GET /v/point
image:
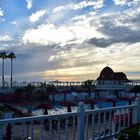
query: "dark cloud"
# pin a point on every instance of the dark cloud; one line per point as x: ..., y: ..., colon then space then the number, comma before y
x: 117, y: 33
x: 101, y: 42
x: 136, y: 19
x: 31, y: 59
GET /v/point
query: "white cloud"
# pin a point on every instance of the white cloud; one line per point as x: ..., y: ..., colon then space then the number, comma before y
x: 5, y: 38
x: 76, y: 32
x: 35, y: 16
x: 96, y: 4
x: 125, y: 2
x: 29, y: 4
x: 83, y: 28
x: 13, y: 22
x: 1, y: 12
x: 47, y: 34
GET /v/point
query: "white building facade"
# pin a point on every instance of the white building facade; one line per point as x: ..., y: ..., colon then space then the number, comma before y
x: 112, y: 84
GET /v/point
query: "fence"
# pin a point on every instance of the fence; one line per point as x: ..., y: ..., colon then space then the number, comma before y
x: 81, y: 125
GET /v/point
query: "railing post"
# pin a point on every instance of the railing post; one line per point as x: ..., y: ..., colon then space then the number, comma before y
x: 137, y: 102
x: 1, y: 136
x: 81, y: 121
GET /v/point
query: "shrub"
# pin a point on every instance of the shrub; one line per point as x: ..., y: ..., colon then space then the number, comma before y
x: 131, y: 133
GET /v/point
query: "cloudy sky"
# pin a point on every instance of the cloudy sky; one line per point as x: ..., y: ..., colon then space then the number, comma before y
x: 70, y: 40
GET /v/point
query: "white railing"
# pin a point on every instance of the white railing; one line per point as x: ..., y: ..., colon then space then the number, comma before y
x: 64, y: 84
x: 81, y: 125
x: 112, y: 86
x: 19, y: 84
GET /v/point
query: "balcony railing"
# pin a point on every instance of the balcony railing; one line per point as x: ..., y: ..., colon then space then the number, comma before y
x: 81, y: 125
x: 113, y: 87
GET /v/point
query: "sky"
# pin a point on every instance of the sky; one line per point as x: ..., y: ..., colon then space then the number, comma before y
x: 70, y: 40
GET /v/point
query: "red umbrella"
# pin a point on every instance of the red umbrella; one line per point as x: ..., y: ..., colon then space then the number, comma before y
x: 55, y: 92
x: 23, y: 103
x: 90, y: 101
x: 8, y: 97
x: 44, y: 106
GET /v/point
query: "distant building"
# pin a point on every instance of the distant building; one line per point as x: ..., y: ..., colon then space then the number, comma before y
x: 112, y: 84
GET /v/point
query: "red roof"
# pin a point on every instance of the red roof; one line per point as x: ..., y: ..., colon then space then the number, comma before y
x: 108, y: 74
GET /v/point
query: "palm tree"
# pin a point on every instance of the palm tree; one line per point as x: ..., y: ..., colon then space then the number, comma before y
x: 11, y: 56
x: 3, y: 55
x: 88, y: 85
x: 43, y: 86
x: 42, y: 91
x: 51, y: 88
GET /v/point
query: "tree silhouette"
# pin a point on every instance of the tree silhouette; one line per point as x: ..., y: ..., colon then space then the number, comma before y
x: 45, y: 89
x: 11, y: 56
x: 3, y: 55
x: 51, y: 88
x: 88, y: 86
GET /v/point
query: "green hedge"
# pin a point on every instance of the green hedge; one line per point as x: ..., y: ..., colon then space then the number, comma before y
x: 130, y: 133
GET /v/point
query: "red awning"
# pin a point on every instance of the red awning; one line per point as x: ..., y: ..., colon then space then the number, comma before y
x: 66, y: 104
x: 44, y: 106
x: 111, y: 100
x: 66, y: 91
